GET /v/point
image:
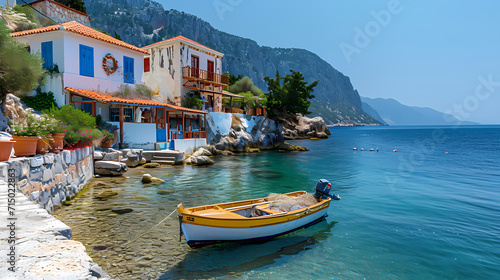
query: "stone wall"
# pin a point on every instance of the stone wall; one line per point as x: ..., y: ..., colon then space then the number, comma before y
x: 49, y: 179
x: 60, y: 14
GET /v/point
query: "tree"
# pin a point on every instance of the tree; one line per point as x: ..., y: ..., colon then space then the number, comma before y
x: 19, y: 70
x: 74, y: 4
x: 291, y: 97
x: 245, y: 84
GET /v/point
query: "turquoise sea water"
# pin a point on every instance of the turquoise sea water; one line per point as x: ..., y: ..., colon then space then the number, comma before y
x: 431, y: 210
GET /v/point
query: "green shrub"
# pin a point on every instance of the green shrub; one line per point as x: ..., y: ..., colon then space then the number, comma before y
x: 41, y: 100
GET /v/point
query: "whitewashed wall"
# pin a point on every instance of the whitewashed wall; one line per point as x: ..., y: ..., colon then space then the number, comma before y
x: 165, y: 75
x: 138, y: 133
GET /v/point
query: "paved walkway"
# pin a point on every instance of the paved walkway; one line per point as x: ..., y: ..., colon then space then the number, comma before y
x: 43, y: 245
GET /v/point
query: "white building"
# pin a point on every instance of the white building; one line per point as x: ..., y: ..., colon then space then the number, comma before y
x: 179, y: 67
x: 78, y: 51
x: 93, y: 68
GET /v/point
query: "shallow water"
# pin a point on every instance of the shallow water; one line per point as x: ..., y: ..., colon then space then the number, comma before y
x: 428, y: 211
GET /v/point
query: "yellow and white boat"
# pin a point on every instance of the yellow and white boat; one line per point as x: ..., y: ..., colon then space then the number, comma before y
x: 255, y: 219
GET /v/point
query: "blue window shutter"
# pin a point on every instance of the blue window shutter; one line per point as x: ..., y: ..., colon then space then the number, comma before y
x: 86, y: 61
x: 47, y: 55
x: 128, y: 70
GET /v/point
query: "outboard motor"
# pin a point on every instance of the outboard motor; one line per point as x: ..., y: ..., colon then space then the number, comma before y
x: 322, y: 190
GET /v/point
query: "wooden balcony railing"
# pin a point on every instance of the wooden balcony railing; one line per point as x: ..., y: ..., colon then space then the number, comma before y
x: 190, y: 72
x: 175, y: 134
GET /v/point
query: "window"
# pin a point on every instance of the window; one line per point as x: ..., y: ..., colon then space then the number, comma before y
x: 146, y: 64
x: 87, y: 107
x: 173, y: 123
x: 86, y: 61
x: 47, y: 55
x: 128, y: 70
x: 114, y: 114
x: 128, y: 114
x: 210, y: 70
x: 28, y: 48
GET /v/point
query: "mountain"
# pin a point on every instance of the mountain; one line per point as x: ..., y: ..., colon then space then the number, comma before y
x: 394, y: 113
x: 372, y: 112
x: 143, y: 22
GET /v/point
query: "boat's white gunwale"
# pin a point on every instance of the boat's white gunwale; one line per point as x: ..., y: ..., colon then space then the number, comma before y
x: 309, y: 211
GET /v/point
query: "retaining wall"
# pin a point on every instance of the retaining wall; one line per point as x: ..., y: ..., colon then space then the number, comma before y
x: 49, y: 179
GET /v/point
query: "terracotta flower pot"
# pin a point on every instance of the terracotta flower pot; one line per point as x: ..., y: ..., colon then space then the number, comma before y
x: 107, y: 143
x: 25, y: 145
x: 5, y: 149
x: 57, y: 145
x: 43, y: 145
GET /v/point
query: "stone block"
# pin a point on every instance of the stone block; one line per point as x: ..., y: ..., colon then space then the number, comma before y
x: 98, y: 155
x: 74, y: 157
x: 36, y: 174
x: 4, y: 167
x: 34, y: 195
x: 48, y: 174
x: 56, y: 199
x: 66, y: 156
x: 36, y: 161
x: 110, y: 168
x: 44, y: 197
x: 111, y: 156
x: 48, y: 159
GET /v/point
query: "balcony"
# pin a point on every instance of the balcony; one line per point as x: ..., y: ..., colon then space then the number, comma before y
x: 175, y: 134
x: 196, y: 74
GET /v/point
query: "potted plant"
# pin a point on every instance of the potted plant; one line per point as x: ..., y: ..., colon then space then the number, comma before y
x: 25, y: 134
x: 108, y: 140
x: 6, y: 144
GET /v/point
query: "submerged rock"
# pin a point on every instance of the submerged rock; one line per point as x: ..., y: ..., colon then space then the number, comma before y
x: 121, y: 211
x: 287, y: 147
x: 148, y: 179
x: 199, y: 160
x: 151, y: 165
x: 106, y: 194
x: 165, y: 191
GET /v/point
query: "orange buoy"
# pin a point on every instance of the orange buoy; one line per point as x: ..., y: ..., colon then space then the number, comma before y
x: 377, y: 149
x: 371, y: 150
x: 395, y: 150
x: 362, y: 149
x: 446, y: 152
x: 354, y: 149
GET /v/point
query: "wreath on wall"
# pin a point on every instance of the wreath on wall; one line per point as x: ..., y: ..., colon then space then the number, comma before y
x: 109, y: 64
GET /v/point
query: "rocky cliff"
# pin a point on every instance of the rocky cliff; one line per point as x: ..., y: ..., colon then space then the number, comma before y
x: 142, y: 22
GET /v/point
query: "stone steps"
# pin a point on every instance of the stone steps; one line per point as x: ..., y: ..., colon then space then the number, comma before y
x: 163, y: 159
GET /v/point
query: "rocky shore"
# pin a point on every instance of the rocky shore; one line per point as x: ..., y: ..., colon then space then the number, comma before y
x: 301, y: 127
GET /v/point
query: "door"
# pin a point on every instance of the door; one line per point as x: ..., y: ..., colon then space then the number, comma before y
x: 195, y: 66
x: 161, y: 132
x: 210, y: 70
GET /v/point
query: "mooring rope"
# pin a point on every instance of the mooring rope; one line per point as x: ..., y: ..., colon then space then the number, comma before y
x: 125, y: 244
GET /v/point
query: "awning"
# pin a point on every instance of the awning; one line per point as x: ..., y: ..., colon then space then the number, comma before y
x: 105, y: 98
x: 227, y: 93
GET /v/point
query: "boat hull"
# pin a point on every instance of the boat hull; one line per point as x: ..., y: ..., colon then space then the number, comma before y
x: 201, y: 235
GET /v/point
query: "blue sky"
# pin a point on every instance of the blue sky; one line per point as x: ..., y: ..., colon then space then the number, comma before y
x: 421, y: 53
x: 439, y: 54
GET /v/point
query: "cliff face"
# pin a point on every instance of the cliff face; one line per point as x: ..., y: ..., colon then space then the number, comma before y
x: 143, y: 22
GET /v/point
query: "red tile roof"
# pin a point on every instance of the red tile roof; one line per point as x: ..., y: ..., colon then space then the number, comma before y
x: 180, y: 38
x: 80, y: 29
x: 59, y: 4
x: 106, y: 98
